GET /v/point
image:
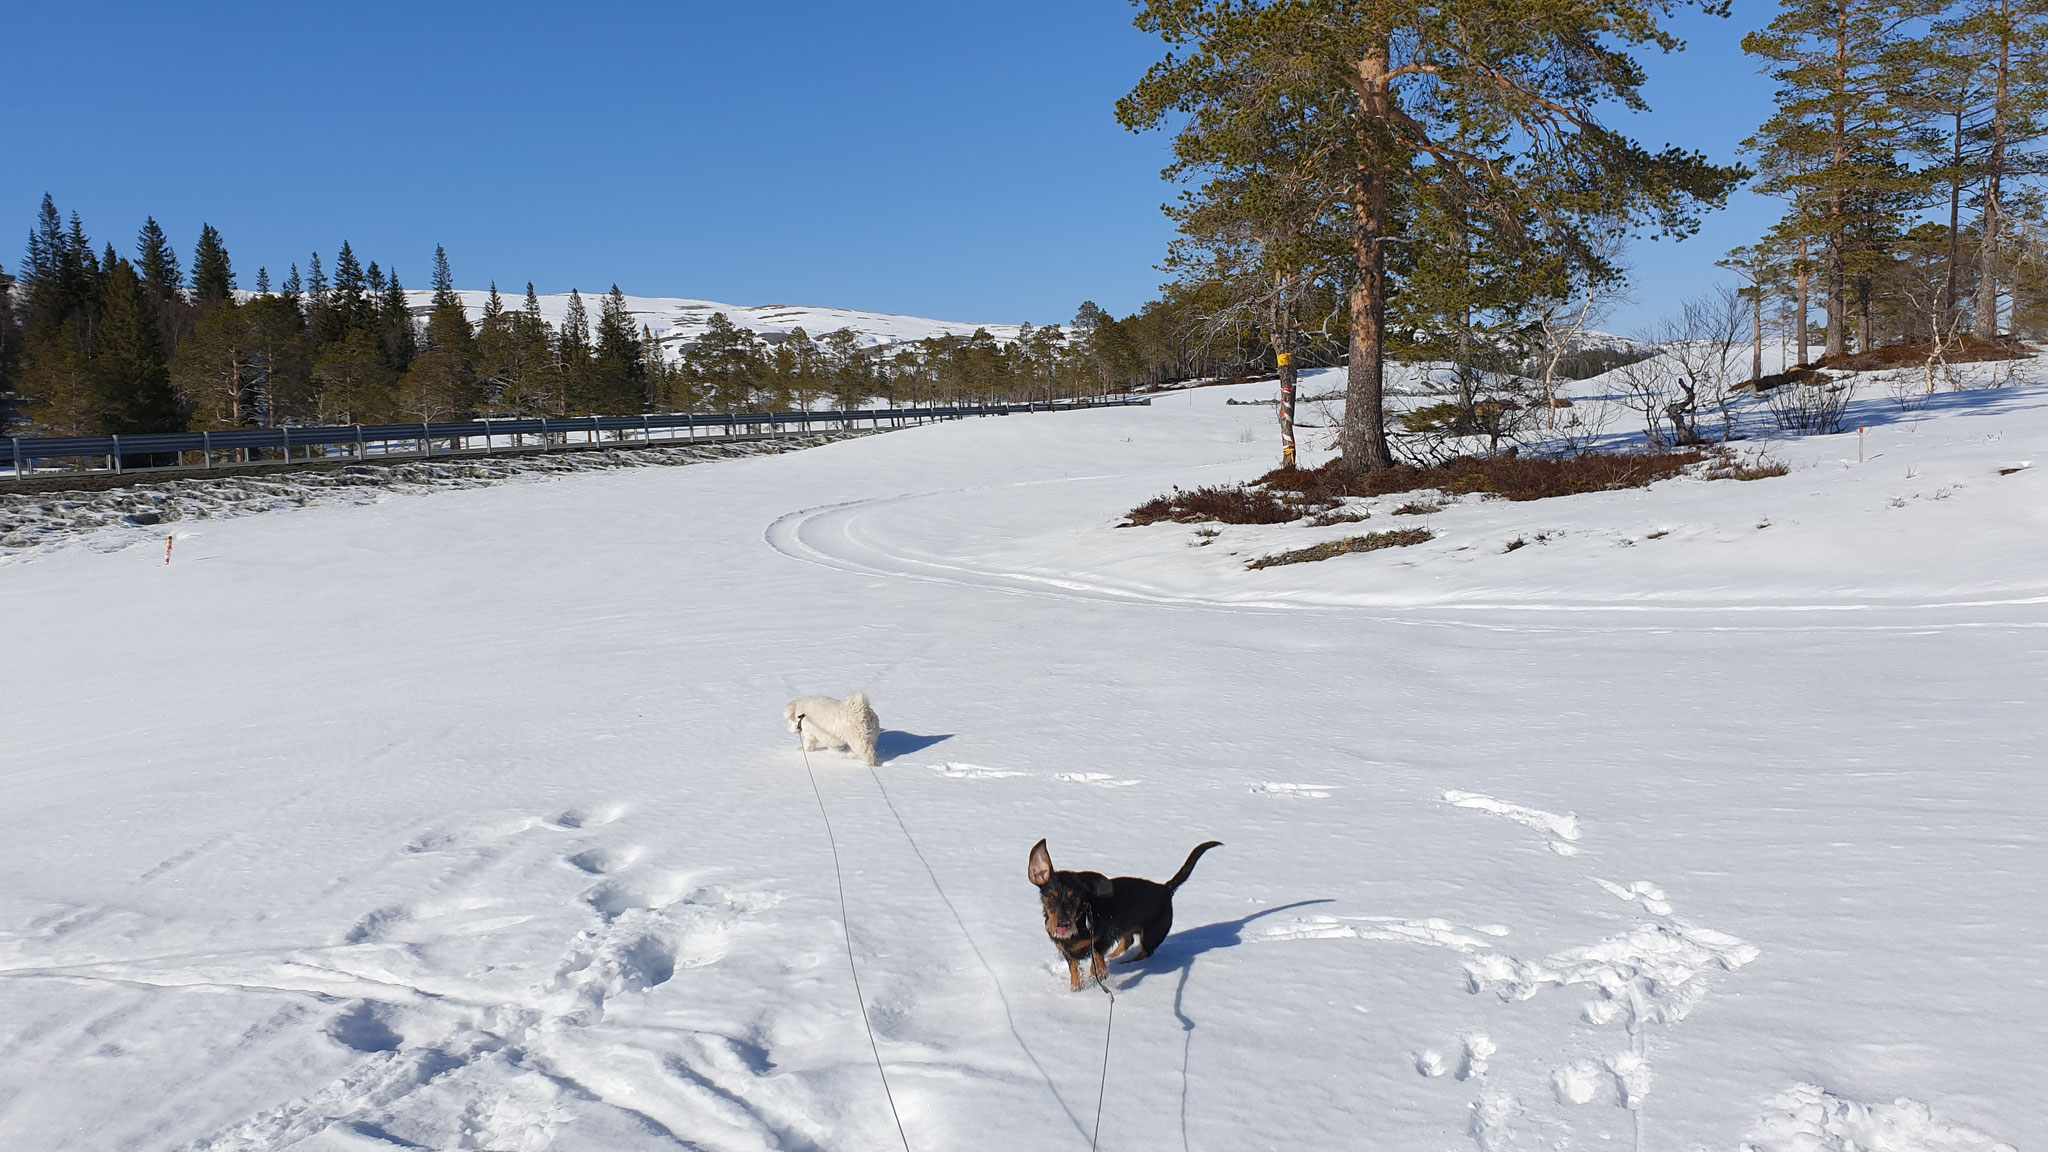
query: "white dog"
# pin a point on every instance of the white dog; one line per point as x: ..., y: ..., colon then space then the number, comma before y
x: 825, y: 722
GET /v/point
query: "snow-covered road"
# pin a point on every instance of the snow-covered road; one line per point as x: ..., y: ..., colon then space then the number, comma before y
x: 469, y: 820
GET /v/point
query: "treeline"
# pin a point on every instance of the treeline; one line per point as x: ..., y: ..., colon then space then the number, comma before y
x: 1906, y: 147
x: 94, y: 342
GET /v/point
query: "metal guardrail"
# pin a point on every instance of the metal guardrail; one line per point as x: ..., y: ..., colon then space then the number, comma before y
x: 358, y: 440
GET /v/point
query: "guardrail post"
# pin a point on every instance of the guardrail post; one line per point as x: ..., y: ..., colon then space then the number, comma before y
x: 360, y: 453
x: 646, y: 430
x: 426, y: 440
x: 18, y: 474
x: 115, y: 459
x: 596, y: 431
x: 287, y: 430
x: 487, y: 438
x: 206, y: 449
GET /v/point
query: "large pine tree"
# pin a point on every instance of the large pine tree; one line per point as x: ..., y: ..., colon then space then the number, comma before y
x: 1493, y: 109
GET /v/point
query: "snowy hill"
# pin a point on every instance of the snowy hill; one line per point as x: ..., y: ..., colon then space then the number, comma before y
x: 1711, y: 816
x: 676, y: 321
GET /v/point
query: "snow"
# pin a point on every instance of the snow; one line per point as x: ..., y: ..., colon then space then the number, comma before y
x: 466, y: 817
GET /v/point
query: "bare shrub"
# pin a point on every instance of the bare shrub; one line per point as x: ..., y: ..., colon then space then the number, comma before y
x: 1812, y: 409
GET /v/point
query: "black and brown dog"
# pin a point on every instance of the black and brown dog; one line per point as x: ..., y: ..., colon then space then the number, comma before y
x: 1093, y: 917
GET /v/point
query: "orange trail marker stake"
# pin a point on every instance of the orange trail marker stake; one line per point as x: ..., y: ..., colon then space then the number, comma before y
x: 168, y: 541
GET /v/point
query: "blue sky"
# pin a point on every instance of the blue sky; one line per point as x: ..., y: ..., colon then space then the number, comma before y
x: 954, y: 160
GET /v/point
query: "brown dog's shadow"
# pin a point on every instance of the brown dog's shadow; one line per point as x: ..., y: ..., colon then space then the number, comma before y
x: 890, y: 745
x: 1177, y: 953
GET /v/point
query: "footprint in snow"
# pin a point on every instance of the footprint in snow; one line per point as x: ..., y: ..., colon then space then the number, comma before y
x: 595, y: 817
x: 954, y: 771
x: 1099, y: 779
x: 1479, y: 1049
x: 1565, y: 827
x: 1643, y: 892
x: 1310, y: 791
x: 602, y: 861
x: 1432, y: 931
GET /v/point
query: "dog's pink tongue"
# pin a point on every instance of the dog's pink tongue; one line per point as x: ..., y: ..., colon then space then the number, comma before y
x: 1062, y: 932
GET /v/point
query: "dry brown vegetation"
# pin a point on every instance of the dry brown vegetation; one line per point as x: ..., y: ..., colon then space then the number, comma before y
x: 1285, y: 495
x: 1728, y: 466
x: 1238, y: 505
x: 1963, y: 350
x: 1371, y: 542
x: 1509, y: 477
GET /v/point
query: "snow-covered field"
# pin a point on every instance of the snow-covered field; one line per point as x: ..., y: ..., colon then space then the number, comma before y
x: 1710, y: 818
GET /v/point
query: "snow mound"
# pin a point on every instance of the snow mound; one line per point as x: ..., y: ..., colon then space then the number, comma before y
x: 1806, y: 1118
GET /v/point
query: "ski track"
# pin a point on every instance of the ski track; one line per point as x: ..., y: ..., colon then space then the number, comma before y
x: 828, y: 536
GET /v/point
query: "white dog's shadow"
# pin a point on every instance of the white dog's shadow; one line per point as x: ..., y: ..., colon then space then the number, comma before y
x: 889, y: 745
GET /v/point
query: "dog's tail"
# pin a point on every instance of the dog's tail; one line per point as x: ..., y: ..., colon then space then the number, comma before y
x: 1188, y: 869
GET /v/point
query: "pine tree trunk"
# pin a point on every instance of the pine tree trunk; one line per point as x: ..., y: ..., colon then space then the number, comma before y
x: 1986, y: 325
x: 1837, y: 289
x: 1955, y: 209
x: 1756, y: 334
x: 1364, y: 441
x: 1805, y: 305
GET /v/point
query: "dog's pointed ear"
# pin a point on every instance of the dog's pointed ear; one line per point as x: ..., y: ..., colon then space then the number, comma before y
x: 1104, y: 889
x: 1041, y: 864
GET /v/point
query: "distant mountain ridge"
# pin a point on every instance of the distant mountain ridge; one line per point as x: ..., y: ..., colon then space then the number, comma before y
x: 677, y: 321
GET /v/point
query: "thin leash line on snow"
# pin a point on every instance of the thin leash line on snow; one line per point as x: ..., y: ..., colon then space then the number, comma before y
x: 1102, y: 1090
x: 846, y: 934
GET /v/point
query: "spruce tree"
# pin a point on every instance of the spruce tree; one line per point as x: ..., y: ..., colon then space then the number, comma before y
x: 213, y: 277
x: 392, y: 319
x: 618, y: 361
x: 442, y: 382
x: 58, y: 302
x: 262, y: 281
x: 157, y: 260
x: 572, y: 358
x: 132, y: 381
x: 350, y: 301
x: 323, y: 323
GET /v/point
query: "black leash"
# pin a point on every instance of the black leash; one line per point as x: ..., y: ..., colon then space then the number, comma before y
x: 845, y: 933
